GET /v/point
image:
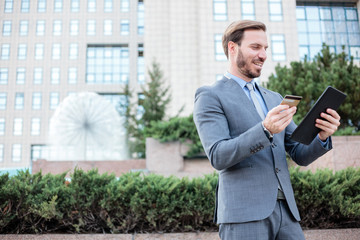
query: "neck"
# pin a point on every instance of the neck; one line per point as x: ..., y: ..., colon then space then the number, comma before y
x: 238, y: 74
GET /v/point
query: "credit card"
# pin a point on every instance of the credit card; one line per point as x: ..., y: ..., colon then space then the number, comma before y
x: 291, y: 100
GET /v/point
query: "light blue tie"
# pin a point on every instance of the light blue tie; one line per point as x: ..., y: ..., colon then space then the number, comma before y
x: 255, y: 100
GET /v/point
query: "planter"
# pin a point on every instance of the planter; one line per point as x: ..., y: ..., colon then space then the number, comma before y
x: 165, y: 157
x: 345, y: 153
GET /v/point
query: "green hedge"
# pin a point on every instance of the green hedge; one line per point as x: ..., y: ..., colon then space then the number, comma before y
x: 135, y: 202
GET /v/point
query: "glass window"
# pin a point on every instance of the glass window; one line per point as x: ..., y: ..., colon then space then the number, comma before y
x: 351, y: 14
x: 91, y: 6
x: 36, y: 101
x: 57, y: 27
x: 4, y: 76
x: 125, y: 29
x: 72, y: 75
x: 58, y: 5
x: 9, y: 4
x: 334, y: 25
x: 25, y: 6
x: 16, y: 152
x: 39, y: 51
x: 248, y: 9
x: 75, y: 5
x: 355, y: 52
x: 125, y: 5
x: 40, y: 28
x: 24, y: 28
x: 325, y: 13
x: 18, y: 126
x: 54, y: 100
x: 141, y: 64
x: 2, y: 126
x: 35, y: 127
x: 39, y: 152
x: 220, y: 10
x: 5, y: 51
x: 56, y: 51
x: 278, y: 47
x: 219, y: 52
x: 20, y: 76
x: 91, y: 27
x: 19, y: 101
x: 108, y: 5
x: 41, y: 7
x: 117, y: 100
x: 275, y: 10
x: 22, y: 51
x: 107, y: 27
x: 107, y: 64
x: 6, y: 28
x: 73, y: 51
x: 55, y: 75
x: 300, y: 12
x: 38, y: 75
x: 3, y: 100
x: 74, y: 27
x: 140, y: 17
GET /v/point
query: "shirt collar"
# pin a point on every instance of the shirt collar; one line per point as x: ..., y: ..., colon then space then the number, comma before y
x: 240, y: 81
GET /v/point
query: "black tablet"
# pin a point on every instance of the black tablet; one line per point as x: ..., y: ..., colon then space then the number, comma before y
x: 306, y: 131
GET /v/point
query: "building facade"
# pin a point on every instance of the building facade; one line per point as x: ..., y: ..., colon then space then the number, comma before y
x: 50, y: 49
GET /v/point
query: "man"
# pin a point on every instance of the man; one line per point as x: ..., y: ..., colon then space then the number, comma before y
x: 245, y: 134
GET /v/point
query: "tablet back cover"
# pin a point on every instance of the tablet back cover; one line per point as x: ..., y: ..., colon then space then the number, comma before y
x: 306, y: 131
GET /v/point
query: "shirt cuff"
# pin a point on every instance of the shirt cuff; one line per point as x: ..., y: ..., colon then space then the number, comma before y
x: 323, y: 143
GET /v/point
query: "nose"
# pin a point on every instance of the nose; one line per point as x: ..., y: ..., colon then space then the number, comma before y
x: 262, y: 54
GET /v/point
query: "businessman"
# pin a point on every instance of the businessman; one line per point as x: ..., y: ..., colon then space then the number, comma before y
x: 246, y: 134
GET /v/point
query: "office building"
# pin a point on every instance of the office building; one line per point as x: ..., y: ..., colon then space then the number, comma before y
x: 50, y: 49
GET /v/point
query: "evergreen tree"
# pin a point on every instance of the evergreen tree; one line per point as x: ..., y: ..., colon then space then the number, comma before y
x: 310, y: 78
x: 150, y: 108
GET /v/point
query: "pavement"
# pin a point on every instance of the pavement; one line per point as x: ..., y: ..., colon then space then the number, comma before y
x: 321, y: 234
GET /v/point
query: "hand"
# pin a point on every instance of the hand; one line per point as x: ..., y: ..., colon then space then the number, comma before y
x: 329, y: 125
x: 279, y: 118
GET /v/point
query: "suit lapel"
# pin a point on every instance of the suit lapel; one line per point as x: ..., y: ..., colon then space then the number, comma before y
x: 239, y: 96
x: 268, y: 98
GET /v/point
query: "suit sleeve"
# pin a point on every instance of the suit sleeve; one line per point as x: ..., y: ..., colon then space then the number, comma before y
x: 221, y: 148
x: 302, y: 154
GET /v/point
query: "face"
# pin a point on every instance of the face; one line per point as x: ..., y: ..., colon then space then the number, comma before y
x: 249, y: 57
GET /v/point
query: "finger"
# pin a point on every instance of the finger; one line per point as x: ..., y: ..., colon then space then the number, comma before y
x: 279, y: 108
x: 325, y: 125
x: 333, y: 113
x: 330, y: 119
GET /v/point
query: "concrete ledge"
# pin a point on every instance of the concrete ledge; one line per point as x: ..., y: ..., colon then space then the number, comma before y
x: 321, y: 234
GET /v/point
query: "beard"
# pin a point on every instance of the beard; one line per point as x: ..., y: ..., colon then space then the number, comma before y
x: 244, y: 67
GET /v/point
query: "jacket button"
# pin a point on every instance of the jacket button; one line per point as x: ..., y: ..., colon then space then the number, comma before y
x: 277, y: 170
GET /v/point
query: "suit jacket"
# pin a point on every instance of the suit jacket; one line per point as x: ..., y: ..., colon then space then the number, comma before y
x: 250, y: 167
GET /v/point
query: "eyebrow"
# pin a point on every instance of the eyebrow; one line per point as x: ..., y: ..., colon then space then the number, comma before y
x: 258, y: 44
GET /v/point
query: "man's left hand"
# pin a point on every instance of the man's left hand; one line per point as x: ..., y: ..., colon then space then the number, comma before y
x: 329, y: 125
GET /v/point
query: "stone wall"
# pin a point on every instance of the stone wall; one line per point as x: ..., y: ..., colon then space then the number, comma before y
x: 116, y: 167
x: 168, y: 159
x: 345, y: 153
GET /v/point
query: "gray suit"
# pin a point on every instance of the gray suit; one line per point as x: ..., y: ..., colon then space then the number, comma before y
x: 250, y: 167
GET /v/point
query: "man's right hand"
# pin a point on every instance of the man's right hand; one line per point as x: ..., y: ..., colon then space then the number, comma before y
x: 279, y: 118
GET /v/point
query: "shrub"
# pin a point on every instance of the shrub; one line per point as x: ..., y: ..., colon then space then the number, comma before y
x: 177, y: 128
x: 310, y: 78
x: 134, y: 202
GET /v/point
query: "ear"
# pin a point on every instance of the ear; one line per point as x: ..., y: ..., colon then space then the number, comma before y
x: 232, y: 48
